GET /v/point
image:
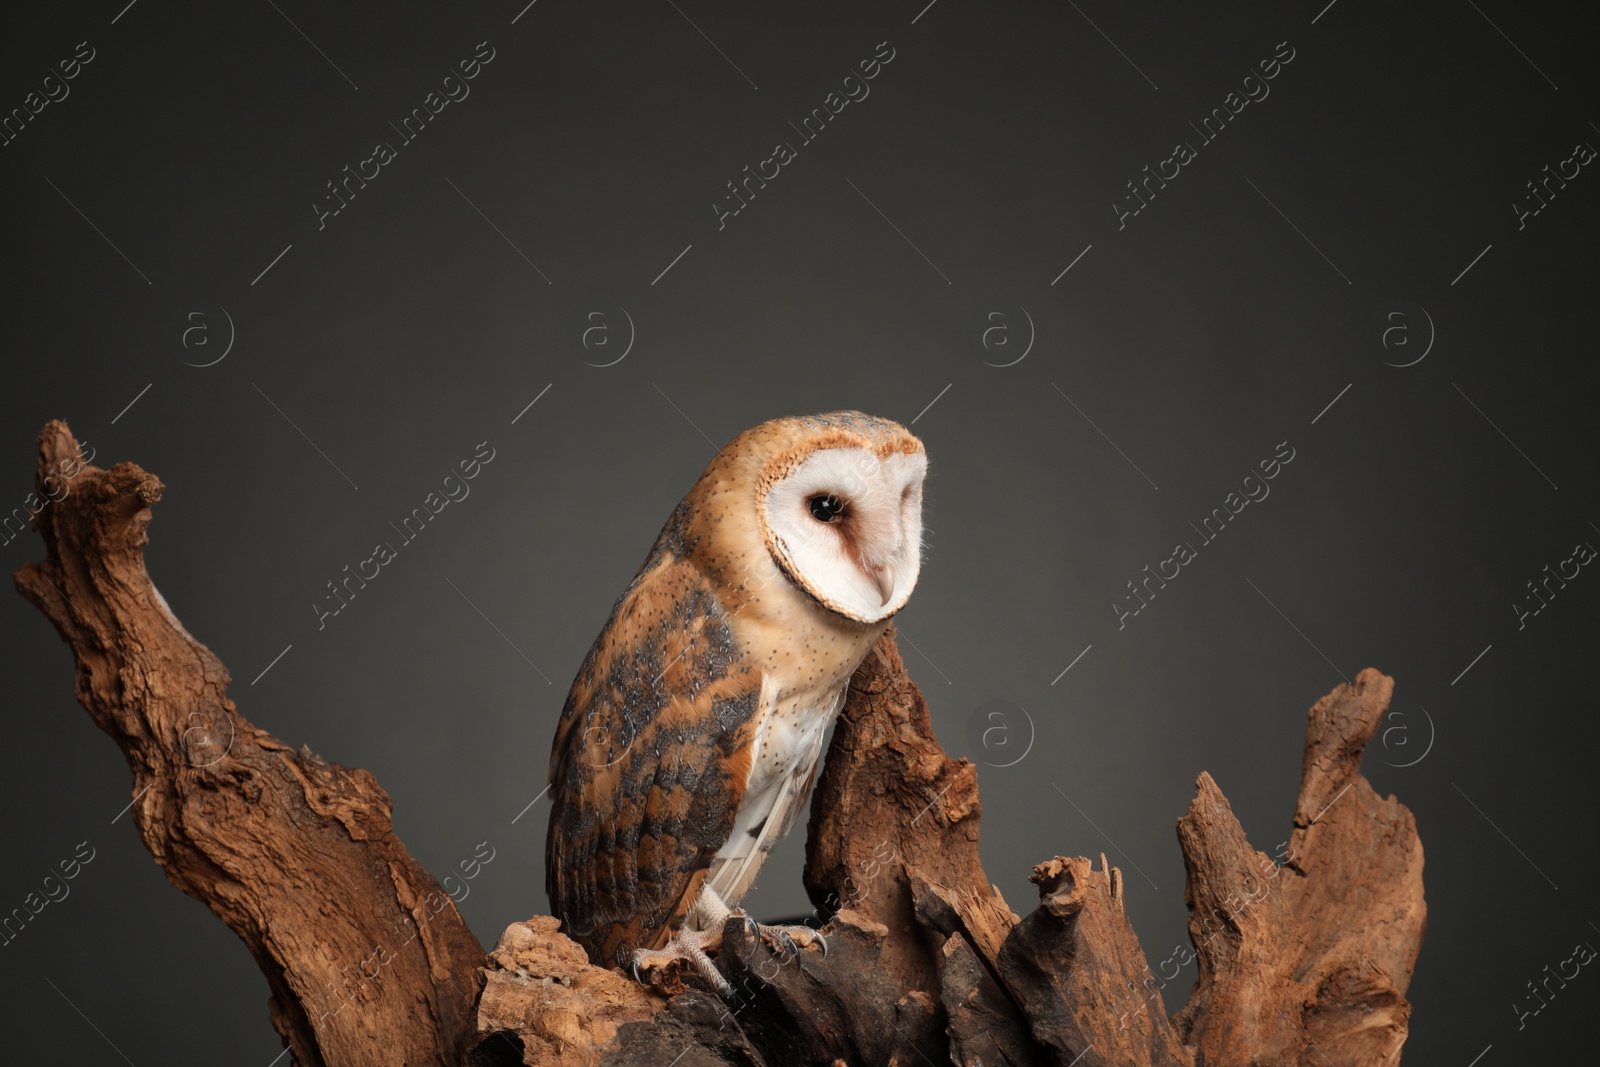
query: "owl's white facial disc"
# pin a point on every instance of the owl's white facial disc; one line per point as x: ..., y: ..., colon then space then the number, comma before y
x: 847, y: 526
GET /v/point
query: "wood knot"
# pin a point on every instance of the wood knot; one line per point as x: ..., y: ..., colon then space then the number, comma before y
x: 1062, y: 885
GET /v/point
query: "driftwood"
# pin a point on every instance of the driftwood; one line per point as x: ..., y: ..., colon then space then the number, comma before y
x: 1302, y: 959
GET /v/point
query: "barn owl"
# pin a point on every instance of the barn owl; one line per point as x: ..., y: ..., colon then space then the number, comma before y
x: 691, y: 736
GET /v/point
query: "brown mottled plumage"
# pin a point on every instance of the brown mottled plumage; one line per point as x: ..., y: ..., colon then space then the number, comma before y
x: 703, y: 702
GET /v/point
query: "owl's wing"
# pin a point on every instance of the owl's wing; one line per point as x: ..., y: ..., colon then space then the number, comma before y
x: 650, y: 763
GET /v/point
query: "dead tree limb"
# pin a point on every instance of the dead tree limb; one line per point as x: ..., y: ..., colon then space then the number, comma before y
x: 1301, y: 959
x: 1315, y: 956
x: 367, y: 958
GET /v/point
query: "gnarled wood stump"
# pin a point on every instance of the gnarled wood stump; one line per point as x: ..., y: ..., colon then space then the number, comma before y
x: 1300, y: 962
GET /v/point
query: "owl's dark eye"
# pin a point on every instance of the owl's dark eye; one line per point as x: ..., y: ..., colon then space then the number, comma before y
x: 825, y: 508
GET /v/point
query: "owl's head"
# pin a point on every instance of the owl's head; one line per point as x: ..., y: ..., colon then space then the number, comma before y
x: 839, y: 502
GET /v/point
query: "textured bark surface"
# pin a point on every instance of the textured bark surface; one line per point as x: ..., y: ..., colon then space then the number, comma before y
x: 1079, y: 973
x: 1302, y: 960
x: 1308, y: 962
x: 892, y: 811
x: 367, y: 958
x: 543, y: 1003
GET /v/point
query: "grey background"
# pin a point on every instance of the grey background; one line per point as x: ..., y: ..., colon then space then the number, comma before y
x: 1198, y: 337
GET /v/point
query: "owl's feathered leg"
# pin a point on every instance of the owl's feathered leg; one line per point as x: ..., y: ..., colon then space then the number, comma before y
x: 714, y: 912
x: 687, y: 945
x: 693, y: 942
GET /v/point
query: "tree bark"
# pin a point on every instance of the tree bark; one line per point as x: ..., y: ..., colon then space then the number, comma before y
x: 1310, y: 960
x: 367, y: 957
x: 1301, y: 960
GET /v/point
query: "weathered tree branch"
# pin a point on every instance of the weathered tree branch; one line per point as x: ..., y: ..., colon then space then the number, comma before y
x: 1317, y: 954
x: 1303, y: 962
x: 362, y: 949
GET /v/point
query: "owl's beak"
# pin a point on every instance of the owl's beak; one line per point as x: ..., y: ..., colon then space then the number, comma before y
x: 884, y: 577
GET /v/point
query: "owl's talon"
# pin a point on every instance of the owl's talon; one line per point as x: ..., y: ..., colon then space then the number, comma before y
x: 789, y: 940
x: 689, y: 946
